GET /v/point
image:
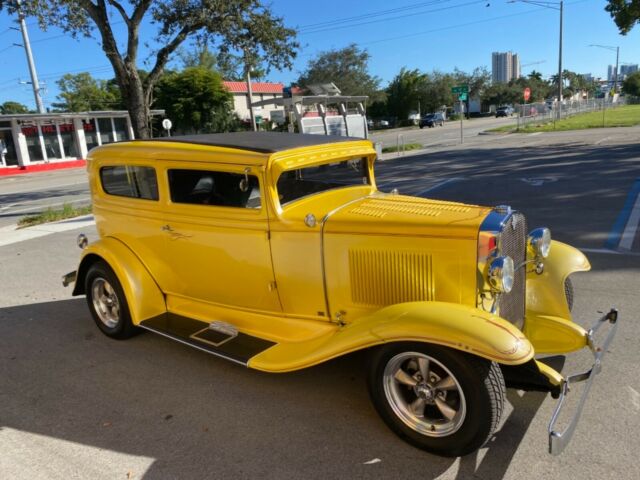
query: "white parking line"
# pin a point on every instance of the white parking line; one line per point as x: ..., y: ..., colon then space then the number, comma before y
x: 438, y: 185
x: 630, y: 229
x: 601, y: 140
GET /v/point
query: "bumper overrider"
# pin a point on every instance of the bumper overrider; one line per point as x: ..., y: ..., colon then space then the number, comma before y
x: 558, y: 440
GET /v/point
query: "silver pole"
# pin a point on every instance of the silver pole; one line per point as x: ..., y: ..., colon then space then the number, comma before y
x: 461, y: 113
x: 615, y: 75
x: 560, y: 65
x: 32, y: 66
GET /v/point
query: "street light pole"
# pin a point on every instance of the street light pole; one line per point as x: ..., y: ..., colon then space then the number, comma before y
x: 554, y: 6
x: 615, y: 74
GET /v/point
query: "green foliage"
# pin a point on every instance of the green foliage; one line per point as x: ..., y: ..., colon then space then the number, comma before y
x: 626, y: 13
x: 82, y: 93
x: 404, y: 92
x: 245, y: 27
x: 8, y: 108
x: 53, y: 215
x: 631, y: 84
x: 348, y: 68
x: 196, y: 101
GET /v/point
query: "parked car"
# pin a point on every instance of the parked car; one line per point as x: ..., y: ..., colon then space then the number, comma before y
x: 432, y: 119
x: 277, y: 251
x: 506, y: 111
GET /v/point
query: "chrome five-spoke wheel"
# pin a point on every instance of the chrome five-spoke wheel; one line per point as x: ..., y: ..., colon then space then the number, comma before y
x: 424, y: 394
x: 105, y: 302
x: 439, y: 399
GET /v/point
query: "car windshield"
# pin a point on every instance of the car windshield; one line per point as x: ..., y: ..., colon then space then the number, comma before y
x: 295, y: 184
x: 429, y: 117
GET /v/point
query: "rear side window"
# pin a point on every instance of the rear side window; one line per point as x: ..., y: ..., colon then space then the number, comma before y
x: 207, y: 187
x: 129, y: 181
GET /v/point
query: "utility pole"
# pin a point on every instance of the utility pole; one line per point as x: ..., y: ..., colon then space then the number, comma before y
x: 560, y: 64
x: 32, y: 66
x: 615, y: 75
x: 247, y: 61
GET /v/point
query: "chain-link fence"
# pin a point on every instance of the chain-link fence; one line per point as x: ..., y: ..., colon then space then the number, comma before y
x: 539, y: 113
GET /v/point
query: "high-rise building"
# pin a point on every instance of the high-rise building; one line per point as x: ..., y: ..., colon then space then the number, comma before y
x: 628, y: 70
x: 611, y: 73
x: 505, y: 66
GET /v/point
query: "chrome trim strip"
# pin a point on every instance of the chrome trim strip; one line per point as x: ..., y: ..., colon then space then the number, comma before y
x: 559, y: 440
x: 323, y: 222
x: 194, y: 346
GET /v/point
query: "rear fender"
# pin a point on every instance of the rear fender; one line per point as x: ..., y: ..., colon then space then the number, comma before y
x: 456, y: 326
x: 144, y: 297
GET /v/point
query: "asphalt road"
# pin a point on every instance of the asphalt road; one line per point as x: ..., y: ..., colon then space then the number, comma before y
x: 75, y: 404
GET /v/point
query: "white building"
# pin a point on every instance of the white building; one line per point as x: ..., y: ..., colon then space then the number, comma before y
x: 505, y: 66
x: 261, y: 91
x: 33, y: 138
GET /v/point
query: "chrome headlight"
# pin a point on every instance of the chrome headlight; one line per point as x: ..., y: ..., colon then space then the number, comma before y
x: 539, y: 242
x: 501, y: 273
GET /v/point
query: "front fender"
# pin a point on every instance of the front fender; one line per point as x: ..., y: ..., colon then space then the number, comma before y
x: 144, y: 297
x: 545, y: 292
x: 456, y: 326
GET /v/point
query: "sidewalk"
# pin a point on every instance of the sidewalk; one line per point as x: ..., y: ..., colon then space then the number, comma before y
x: 10, y: 234
x: 41, y: 167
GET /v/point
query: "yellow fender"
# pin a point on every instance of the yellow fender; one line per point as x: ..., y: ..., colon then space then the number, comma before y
x: 144, y: 297
x: 456, y: 326
x: 548, y: 323
x: 545, y: 292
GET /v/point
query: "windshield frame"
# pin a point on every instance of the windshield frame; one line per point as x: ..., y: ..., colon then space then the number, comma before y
x: 369, y: 175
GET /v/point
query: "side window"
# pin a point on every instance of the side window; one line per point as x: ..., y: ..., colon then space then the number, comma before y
x: 129, y: 181
x: 205, y: 187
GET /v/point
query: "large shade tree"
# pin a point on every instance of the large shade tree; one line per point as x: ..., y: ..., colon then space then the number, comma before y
x: 347, y: 67
x: 245, y: 26
x: 626, y: 13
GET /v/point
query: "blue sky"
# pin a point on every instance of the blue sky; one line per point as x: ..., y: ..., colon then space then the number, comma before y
x: 427, y: 35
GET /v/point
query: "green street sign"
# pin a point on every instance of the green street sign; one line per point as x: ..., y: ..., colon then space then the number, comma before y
x: 460, y: 89
x: 462, y: 97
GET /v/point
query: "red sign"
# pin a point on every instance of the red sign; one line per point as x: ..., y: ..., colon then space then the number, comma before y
x: 527, y: 94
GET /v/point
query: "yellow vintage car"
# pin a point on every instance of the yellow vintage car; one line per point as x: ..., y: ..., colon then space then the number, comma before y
x: 278, y: 252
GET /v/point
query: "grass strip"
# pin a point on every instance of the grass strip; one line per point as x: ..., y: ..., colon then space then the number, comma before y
x: 406, y: 147
x: 52, y: 215
x: 625, y: 116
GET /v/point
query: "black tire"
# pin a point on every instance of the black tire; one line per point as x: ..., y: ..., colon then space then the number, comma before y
x: 479, y: 408
x: 568, y: 292
x: 115, y: 320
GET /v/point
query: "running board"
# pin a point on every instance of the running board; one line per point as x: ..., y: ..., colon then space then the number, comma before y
x: 217, y: 338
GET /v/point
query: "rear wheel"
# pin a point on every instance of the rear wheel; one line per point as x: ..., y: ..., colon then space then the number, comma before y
x: 438, y: 399
x: 107, y: 302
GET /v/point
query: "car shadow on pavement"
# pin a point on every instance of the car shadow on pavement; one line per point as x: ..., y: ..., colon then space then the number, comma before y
x: 198, y: 416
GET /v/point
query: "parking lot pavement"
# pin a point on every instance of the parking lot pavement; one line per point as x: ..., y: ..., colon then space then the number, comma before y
x: 75, y: 404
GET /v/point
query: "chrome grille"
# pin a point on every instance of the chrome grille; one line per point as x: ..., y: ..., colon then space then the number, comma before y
x: 513, y: 242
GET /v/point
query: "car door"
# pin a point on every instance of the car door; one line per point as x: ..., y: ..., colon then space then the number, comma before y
x: 217, y: 236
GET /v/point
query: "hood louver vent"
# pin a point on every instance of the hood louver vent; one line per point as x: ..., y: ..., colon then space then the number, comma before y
x: 379, y: 207
x: 380, y: 278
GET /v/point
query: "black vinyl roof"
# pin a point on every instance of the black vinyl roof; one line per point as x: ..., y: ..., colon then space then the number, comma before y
x: 263, y: 142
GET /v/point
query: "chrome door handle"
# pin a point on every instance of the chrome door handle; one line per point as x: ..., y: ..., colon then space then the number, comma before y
x: 167, y: 228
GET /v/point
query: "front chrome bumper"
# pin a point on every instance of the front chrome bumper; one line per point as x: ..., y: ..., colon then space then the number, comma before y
x: 559, y: 440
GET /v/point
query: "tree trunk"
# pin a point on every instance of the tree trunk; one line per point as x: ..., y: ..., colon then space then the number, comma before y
x: 137, y: 105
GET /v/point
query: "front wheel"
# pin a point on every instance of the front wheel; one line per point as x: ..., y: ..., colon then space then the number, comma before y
x: 438, y: 399
x: 107, y: 302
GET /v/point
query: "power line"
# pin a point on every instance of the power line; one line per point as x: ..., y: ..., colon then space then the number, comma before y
x: 397, y: 17
x: 376, y: 13
x: 450, y: 27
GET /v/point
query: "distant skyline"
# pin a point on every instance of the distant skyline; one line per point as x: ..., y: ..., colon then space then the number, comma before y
x: 427, y: 35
